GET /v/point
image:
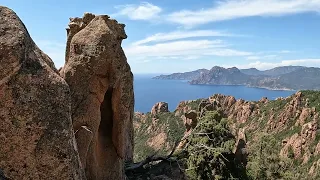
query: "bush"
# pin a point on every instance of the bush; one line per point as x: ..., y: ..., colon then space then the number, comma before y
x: 209, y: 152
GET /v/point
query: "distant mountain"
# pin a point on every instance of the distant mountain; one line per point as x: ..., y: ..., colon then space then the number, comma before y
x: 300, y: 79
x: 183, y: 76
x: 272, y: 72
x: 284, y: 77
x: 252, y: 71
x: 220, y: 75
x: 282, y: 70
x: 296, y: 78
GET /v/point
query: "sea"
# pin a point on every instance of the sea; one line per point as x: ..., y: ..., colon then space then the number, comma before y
x: 148, y: 91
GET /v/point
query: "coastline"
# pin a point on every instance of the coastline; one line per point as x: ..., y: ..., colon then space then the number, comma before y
x: 261, y: 87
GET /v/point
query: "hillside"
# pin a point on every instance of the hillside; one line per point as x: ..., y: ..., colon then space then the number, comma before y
x: 286, y: 77
x: 272, y: 72
x: 276, y: 139
x: 183, y: 76
x: 299, y: 79
x: 219, y: 75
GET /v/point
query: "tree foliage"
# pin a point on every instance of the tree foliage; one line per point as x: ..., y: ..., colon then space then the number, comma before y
x: 209, y: 150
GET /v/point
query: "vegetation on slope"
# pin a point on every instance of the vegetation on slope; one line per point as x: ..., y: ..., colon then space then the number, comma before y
x: 280, y: 144
x: 209, y: 152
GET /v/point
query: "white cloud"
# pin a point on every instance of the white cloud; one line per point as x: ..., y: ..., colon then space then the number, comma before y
x: 228, y: 52
x: 233, y: 9
x: 268, y: 65
x: 263, y: 57
x: 285, y: 52
x: 175, y: 35
x: 253, y: 57
x: 184, y: 49
x: 144, y: 11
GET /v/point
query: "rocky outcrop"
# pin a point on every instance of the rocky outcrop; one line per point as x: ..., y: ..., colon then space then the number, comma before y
x: 182, y: 108
x: 36, y: 134
x: 159, y: 107
x: 240, y: 147
x: 264, y: 100
x: 314, y: 170
x: 101, y: 85
x: 190, y: 121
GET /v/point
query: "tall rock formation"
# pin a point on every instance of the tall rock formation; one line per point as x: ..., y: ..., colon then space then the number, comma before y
x: 36, y: 134
x: 101, y: 85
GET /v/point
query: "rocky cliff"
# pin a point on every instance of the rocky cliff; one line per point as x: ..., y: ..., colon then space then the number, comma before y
x: 36, y: 134
x: 286, y: 128
x: 76, y: 124
x: 101, y: 86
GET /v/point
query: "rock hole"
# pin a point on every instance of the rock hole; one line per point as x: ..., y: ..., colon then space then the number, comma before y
x: 106, y: 123
x: 106, y: 148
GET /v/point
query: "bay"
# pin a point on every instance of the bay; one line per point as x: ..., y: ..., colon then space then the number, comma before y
x: 149, y: 91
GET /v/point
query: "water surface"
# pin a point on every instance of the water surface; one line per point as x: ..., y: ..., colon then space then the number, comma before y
x: 149, y: 91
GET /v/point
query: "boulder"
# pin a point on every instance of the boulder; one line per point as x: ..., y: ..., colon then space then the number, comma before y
x: 264, y: 100
x: 101, y: 85
x: 159, y: 107
x: 36, y: 135
x: 182, y: 108
x: 190, y: 120
x: 240, y: 147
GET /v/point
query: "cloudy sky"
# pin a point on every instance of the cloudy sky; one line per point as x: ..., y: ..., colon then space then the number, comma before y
x: 182, y: 35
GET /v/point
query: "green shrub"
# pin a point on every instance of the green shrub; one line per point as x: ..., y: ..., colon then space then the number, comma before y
x: 209, y: 152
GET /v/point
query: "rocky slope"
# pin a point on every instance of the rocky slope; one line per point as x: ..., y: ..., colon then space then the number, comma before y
x: 287, y: 128
x: 72, y: 125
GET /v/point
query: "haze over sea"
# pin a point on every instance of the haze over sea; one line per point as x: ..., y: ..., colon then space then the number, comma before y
x: 149, y: 91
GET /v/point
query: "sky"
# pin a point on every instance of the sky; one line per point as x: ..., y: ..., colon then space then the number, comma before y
x: 177, y: 36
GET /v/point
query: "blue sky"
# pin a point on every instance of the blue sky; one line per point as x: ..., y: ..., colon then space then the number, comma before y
x: 177, y: 36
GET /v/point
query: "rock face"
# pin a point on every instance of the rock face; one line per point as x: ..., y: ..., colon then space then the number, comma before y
x: 190, y: 121
x: 101, y: 85
x: 36, y: 134
x: 159, y: 107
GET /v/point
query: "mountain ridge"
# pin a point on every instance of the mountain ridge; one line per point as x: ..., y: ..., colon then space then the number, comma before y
x: 279, y: 78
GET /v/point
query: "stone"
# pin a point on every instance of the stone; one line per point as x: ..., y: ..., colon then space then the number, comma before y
x: 190, y: 120
x: 159, y: 107
x: 101, y: 85
x: 36, y: 135
x: 317, y: 149
x: 240, y: 147
x: 294, y: 142
x: 264, y: 100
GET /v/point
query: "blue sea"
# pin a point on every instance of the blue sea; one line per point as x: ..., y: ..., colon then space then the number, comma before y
x: 149, y: 91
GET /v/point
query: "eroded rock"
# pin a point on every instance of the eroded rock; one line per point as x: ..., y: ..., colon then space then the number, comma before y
x: 36, y: 134
x: 101, y: 85
x: 159, y: 107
